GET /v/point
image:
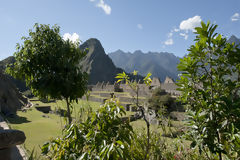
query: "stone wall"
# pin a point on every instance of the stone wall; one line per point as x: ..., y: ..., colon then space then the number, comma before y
x: 144, y: 91
x: 10, y: 141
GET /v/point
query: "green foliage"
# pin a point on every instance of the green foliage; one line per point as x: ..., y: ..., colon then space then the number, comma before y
x: 162, y: 148
x: 102, y: 136
x: 50, y: 65
x: 161, y: 100
x: 210, y: 83
x: 135, y: 87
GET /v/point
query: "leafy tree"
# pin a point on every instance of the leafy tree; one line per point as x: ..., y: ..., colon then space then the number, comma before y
x: 210, y: 84
x: 102, y: 136
x: 50, y: 65
x: 161, y: 100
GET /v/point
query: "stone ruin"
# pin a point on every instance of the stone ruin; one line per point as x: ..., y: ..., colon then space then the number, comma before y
x: 10, y: 141
x: 144, y: 91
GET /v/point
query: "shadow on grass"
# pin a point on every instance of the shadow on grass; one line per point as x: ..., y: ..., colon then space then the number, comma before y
x: 17, y: 120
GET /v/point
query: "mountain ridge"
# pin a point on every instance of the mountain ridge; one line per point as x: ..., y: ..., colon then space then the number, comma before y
x: 147, y: 62
x: 160, y: 64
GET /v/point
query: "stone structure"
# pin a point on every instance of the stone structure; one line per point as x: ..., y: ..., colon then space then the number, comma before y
x: 10, y: 141
x: 156, y: 82
x: 104, y: 91
x: 10, y: 98
x: 144, y: 91
x: 168, y: 80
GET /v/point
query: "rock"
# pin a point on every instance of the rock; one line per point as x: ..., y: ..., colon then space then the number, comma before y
x: 45, y: 116
x: 10, y: 98
x: 6, y: 154
x: 10, y: 138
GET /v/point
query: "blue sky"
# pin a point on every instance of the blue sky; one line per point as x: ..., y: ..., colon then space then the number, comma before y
x: 129, y: 25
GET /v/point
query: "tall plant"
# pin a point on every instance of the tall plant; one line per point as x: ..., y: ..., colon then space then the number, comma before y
x: 210, y: 85
x: 135, y: 87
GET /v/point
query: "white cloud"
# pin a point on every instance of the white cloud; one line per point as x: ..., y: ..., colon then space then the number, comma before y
x: 91, y: 0
x: 184, y: 35
x: 169, y: 42
x: 106, y: 8
x: 235, y: 17
x: 176, y: 30
x: 170, y: 34
x: 139, y: 26
x: 185, y: 26
x: 190, y: 23
x: 74, y: 37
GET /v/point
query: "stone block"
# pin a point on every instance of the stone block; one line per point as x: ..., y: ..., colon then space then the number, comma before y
x: 10, y: 138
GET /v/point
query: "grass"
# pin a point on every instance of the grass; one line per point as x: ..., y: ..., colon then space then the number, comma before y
x: 39, y: 129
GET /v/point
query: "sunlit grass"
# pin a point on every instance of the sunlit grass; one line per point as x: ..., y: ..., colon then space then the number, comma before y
x: 39, y: 129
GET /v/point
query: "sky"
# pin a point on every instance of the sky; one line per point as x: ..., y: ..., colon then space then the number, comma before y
x: 129, y: 25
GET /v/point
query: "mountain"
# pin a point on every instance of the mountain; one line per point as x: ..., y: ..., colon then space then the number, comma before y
x: 161, y: 64
x: 8, y: 60
x: 18, y: 83
x: 234, y: 39
x: 98, y: 64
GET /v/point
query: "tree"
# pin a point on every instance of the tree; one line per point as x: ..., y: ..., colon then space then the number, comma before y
x: 210, y: 84
x: 50, y: 65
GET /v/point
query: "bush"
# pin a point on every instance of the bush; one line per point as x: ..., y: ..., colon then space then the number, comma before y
x: 101, y: 136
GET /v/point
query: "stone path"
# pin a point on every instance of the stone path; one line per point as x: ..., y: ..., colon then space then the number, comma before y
x: 18, y: 152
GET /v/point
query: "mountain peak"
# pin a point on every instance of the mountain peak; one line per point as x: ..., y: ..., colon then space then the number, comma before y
x: 97, y: 64
x: 138, y: 52
x: 93, y: 42
x: 234, y: 39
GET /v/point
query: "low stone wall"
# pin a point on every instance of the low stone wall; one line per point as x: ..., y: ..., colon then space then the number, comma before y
x: 44, y: 109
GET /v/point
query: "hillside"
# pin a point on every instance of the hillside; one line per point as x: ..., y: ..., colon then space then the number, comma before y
x: 159, y: 64
x: 18, y: 83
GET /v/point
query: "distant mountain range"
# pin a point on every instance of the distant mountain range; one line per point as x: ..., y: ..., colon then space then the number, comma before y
x: 159, y: 64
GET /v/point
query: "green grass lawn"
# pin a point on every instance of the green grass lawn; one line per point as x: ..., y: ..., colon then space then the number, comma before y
x: 39, y: 129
